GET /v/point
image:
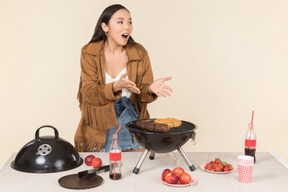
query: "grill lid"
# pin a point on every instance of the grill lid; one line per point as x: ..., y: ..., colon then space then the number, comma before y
x: 46, y: 154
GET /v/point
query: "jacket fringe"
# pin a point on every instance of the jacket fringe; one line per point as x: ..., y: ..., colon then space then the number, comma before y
x: 100, y: 117
x: 82, y: 145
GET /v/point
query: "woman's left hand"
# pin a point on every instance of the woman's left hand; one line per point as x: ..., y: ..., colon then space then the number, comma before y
x: 160, y: 88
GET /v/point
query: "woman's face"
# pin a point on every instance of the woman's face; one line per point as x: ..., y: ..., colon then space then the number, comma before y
x: 119, y: 28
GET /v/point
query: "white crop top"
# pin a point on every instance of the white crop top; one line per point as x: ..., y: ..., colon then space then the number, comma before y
x: 108, y: 79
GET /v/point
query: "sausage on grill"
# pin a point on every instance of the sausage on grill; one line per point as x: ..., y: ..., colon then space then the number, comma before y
x: 151, y: 126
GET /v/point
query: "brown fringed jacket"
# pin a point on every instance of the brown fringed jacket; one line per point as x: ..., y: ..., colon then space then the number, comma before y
x: 97, y: 98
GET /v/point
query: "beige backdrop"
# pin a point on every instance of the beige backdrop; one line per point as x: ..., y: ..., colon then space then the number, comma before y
x: 226, y: 57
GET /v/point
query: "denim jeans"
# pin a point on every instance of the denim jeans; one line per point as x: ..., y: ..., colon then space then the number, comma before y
x: 125, y: 112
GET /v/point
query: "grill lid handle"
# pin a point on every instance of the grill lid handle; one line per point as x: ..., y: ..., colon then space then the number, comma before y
x: 49, y: 126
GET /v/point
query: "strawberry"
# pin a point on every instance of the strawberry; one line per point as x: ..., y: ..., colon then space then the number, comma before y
x: 230, y: 167
x: 218, y: 169
x: 208, y: 166
x: 221, y: 167
x: 226, y: 169
x: 224, y: 163
x: 218, y: 160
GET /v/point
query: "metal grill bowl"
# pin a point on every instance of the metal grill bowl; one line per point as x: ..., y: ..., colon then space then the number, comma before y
x: 162, y: 142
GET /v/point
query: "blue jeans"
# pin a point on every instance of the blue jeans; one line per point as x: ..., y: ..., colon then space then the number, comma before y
x: 125, y: 112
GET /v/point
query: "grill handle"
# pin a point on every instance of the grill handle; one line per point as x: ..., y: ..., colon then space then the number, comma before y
x: 49, y: 126
x: 193, y: 138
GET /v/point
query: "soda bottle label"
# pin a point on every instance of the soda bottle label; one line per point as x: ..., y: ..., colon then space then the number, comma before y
x: 250, y: 143
x: 115, y: 156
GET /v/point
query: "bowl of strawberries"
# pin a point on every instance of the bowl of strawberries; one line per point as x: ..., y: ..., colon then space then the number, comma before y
x: 217, y: 166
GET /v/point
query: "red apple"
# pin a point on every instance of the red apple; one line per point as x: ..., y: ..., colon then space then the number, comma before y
x: 171, y: 178
x: 178, y: 171
x: 96, y: 162
x: 89, y: 159
x: 184, y: 178
x: 165, y: 172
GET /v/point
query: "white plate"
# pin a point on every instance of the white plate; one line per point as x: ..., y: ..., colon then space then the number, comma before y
x: 203, y: 168
x: 193, y: 181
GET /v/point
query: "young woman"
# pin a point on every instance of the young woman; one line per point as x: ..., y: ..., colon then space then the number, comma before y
x: 116, y: 83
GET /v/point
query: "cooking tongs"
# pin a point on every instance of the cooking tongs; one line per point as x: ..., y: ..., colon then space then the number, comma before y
x: 92, y: 172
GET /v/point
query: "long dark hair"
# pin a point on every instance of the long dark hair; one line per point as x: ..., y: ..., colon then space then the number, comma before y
x: 105, y: 17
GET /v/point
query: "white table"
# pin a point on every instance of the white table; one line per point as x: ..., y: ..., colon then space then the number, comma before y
x: 269, y: 174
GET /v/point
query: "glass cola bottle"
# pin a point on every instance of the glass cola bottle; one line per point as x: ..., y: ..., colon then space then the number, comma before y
x: 115, y: 160
x: 250, y: 142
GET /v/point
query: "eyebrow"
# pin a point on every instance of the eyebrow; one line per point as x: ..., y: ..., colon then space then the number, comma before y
x: 122, y: 18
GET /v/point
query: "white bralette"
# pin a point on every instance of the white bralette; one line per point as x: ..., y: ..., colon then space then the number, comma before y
x: 109, y: 79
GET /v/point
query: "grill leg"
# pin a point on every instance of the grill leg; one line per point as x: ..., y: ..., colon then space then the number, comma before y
x: 190, y: 165
x: 152, y: 155
x: 140, y: 162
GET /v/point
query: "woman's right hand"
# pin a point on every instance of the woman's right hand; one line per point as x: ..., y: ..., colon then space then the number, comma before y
x: 124, y: 83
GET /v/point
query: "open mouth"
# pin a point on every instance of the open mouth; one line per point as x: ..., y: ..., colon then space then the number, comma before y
x: 125, y: 36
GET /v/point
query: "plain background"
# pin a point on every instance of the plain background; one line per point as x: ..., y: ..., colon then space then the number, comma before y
x: 227, y: 58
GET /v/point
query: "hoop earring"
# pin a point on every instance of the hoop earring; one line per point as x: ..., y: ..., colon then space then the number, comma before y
x: 106, y: 33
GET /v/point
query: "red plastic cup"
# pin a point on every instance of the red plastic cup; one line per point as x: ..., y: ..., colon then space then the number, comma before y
x: 245, y: 168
